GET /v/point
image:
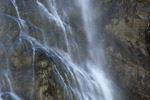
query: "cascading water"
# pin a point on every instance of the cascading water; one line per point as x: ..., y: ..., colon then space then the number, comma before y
x: 101, y: 89
x: 88, y: 80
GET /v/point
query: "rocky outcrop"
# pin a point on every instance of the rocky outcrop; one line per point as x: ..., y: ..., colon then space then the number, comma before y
x: 124, y: 24
x: 128, y: 52
x: 32, y: 73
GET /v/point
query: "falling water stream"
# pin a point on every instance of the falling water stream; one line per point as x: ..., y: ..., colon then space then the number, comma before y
x: 89, y: 81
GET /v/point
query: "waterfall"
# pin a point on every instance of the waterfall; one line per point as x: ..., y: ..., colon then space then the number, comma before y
x: 95, y: 54
x: 88, y: 80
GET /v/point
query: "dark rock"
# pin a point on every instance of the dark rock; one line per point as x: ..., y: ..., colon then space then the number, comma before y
x: 128, y: 52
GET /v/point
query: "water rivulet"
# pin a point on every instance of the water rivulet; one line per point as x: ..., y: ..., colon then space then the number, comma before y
x: 49, y: 45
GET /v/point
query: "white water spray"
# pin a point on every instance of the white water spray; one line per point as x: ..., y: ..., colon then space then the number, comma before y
x: 88, y: 81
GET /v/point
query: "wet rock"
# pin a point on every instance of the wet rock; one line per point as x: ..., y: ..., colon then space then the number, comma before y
x: 127, y: 54
x: 126, y: 27
x: 46, y: 86
x: 32, y: 74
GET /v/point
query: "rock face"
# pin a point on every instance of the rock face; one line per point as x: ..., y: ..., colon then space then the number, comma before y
x: 125, y: 26
x: 128, y: 55
x: 32, y: 71
x: 34, y: 74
